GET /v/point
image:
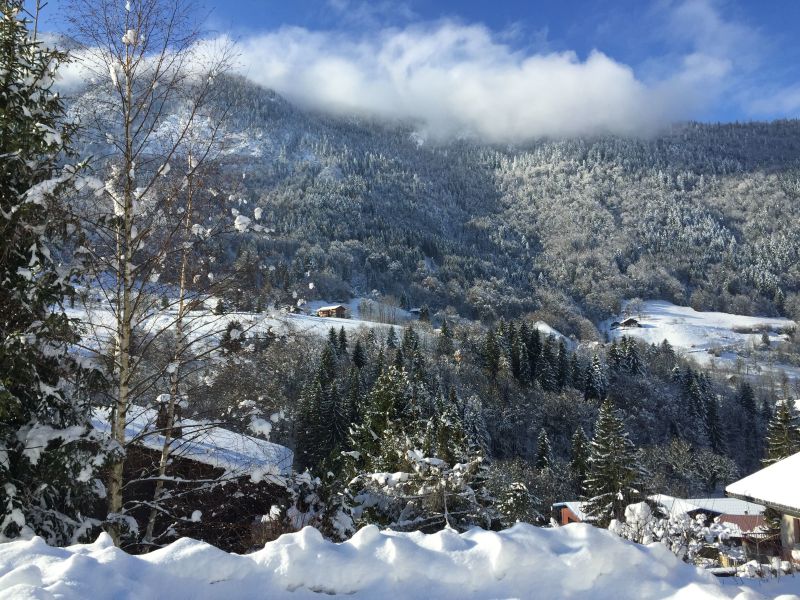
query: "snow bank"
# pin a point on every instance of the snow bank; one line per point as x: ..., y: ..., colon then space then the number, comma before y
x: 576, y: 561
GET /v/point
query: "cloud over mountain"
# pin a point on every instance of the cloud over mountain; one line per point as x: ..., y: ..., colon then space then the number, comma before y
x: 458, y: 79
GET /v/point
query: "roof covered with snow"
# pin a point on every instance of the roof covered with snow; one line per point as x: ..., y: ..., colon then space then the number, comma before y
x: 727, y: 506
x: 204, y: 442
x: 721, y: 506
x: 576, y: 507
x: 777, y: 485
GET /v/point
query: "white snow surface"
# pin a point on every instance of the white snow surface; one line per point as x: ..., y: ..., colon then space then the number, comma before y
x: 699, y: 332
x: 726, y: 506
x: 575, y: 561
x: 778, y: 484
x: 236, y: 453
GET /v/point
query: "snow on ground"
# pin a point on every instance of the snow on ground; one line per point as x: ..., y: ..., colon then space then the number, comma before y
x: 575, y: 561
x: 697, y: 333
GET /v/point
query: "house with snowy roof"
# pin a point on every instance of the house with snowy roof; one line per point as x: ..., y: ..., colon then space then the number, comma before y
x: 219, y: 482
x: 739, y: 514
x: 338, y: 311
x: 777, y: 487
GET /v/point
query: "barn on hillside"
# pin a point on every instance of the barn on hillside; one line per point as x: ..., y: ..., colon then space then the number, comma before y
x: 338, y: 311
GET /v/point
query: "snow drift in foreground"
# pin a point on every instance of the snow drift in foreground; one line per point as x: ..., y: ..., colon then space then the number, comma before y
x: 576, y: 561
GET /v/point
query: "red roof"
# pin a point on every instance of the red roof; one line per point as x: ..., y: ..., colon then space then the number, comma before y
x: 746, y: 523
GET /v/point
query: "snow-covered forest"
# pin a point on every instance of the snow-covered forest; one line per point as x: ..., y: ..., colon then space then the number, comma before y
x: 169, y: 231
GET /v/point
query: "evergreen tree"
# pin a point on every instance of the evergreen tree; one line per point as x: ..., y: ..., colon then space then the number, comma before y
x: 524, y: 365
x: 547, y: 365
x: 399, y: 360
x: 380, y: 364
x: 579, y: 458
x: 333, y: 339
x: 562, y: 369
x: 444, y: 343
x: 747, y: 399
x: 359, y: 357
x: 783, y: 433
x: 491, y: 354
x: 544, y: 456
x: 614, y: 357
x: 576, y: 372
x: 310, y: 429
x: 354, y: 405
x: 47, y: 463
x: 342, y: 342
x: 534, y: 344
x: 391, y: 338
x: 595, y: 386
x: 631, y: 359
x: 716, y: 437
x: 611, y: 483
x: 387, y: 408
x: 326, y: 371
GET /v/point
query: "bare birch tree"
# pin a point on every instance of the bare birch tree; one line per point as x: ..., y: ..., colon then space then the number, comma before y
x: 151, y: 106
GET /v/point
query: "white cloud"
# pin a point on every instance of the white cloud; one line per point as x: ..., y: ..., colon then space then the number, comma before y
x: 451, y: 78
x: 783, y: 102
x: 460, y: 79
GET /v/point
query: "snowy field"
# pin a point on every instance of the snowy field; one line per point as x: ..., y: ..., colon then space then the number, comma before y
x: 576, y: 561
x: 702, y: 335
x: 205, y: 327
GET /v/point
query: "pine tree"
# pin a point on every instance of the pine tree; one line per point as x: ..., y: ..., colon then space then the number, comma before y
x: 576, y: 372
x: 491, y: 354
x: 611, y: 483
x: 534, y: 344
x: 391, y: 338
x: 444, y: 343
x: 524, y: 365
x: 579, y: 458
x: 333, y: 339
x: 747, y: 399
x: 387, y: 407
x: 46, y: 460
x: 380, y: 364
x: 359, y: 357
x: 562, y: 368
x: 354, y: 402
x: 310, y: 429
x: 410, y: 341
x: 547, y: 365
x: 631, y: 359
x: 342, y: 342
x: 614, y: 357
x: 595, y: 386
x: 399, y: 360
x: 544, y: 456
x: 783, y: 433
x: 716, y: 437
x: 326, y: 371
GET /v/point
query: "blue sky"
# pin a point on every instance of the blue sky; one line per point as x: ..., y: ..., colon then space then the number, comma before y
x: 546, y: 67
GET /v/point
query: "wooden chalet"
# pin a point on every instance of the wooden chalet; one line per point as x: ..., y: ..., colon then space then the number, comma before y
x: 338, y: 311
x: 628, y: 323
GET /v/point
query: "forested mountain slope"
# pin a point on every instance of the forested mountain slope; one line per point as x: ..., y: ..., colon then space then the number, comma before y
x: 705, y: 215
